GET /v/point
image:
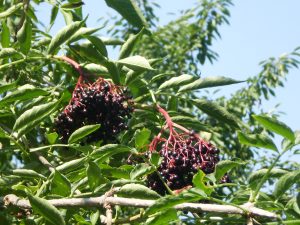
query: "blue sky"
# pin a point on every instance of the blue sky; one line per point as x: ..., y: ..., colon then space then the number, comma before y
x: 258, y: 30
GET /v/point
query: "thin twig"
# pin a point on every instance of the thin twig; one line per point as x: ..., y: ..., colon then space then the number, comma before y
x: 141, y: 203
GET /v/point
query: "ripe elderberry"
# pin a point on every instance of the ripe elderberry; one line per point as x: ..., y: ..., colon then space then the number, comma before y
x: 101, y: 102
x: 183, y: 155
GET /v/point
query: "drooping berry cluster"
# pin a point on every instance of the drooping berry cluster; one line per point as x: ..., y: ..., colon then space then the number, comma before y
x: 101, y: 102
x: 183, y: 155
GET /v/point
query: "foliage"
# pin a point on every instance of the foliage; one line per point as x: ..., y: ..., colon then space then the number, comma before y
x: 37, y: 83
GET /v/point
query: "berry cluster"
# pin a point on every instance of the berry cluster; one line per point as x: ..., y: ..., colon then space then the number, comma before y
x: 101, y: 102
x: 183, y: 155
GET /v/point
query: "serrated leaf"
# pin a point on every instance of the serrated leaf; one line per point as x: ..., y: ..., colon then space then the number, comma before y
x: 141, y: 170
x: 99, y: 45
x: 259, y: 174
x: 170, y: 201
x: 88, y: 50
x: 11, y: 10
x: 63, y: 35
x: 96, y: 68
x: 24, y: 36
x: 257, y: 140
x: 109, y: 150
x: 216, y: 111
x: 129, y: 10
x: 177, y: 81
x: 198, y: 181
x: 164, y: 217
x: 8, y: 52
x: 128, y: 46
x: 24, y: 92
x: 137, y: 191
x: 46, y: 210
x: 95, y: 176
x: 142, y: 138
x: 32, y: 117
x: 136, y: 63
x: 191, y: 122
x: 208, y: 82
x: 224, y: 166
x: 82, y: 32
x: 83, y: 132
x: 285, y: 182
x: 276, y: 126
x: 60, y: 185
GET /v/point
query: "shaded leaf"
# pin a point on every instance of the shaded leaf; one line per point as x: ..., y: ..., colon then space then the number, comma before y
x: 198, y: 181
x: 109, y: 150
x: 257, y: 140
x: 71, y: 165
x: 276, y: 126
x: 83, y: 132
x: 164, y: 217
x: 95, y: 176
x: 128, y: 46
x: 60, y: 185
x: 99, y: 45
x: 82, y: 32
x: 5, y: 35
x: 208, y: 82
x: 8, y: 52
x: 24, y: 36
x: 259, y: 174
x: 27, y: 173
x: 285, y: 182
x: 46, y: 210
x: 216, y: 111
x: 224, y: 166
x: 142, y: 138
x: 11, y: 10
x: 137, y: 191
x: 141, y: 170
x: 7, y: 87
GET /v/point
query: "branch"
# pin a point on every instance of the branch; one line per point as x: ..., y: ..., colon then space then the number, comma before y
x: 247, y: 208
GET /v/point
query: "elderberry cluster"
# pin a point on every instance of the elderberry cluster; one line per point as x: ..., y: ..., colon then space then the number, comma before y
x: 99, y: 103
x: 182, y: 158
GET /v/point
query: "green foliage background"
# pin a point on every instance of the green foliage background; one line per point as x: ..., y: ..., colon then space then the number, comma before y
x: 159, y: 65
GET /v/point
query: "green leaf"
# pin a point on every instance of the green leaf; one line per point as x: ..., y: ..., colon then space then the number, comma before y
x: 7, y: 87
x: 95, y: 176
x: 72, y: 5
x: 198, y: 181
x: 136, y: 63
x: 170, y: 201
x: 156, y: 159
x: 276, y: 126
x: 208, y: 82
x: 24, y: 36
x: 60, y: 185
x: 113, y: 71
x: 27, y: 173
x: 82, y: 32
x: 137, y: 191
x: 256, y: 176
x: 88, y: 51
x: 32, y: 117
x: 224, y: 166
x: 99, y: 45
x: 142, y: 138
x: 46, y: 210
x: 129, y: 10
x: 24, y: 92
x: 63, y: 35
x: 257, y: 140
x: 5, y: 35
x: 285, y: 182
x: 96, y: 68
x: 164, y: 217
x: 11, y: 10
x: 177, y: 81
x: 71, y: 165
x: 128, y: 46
x: 106, y: 151
x: 8, y: 52
x: 82, y: 132
x: 191, y: 122
x: 54, y: 12
x: 141, y: 170
x: 216, y: 111
x: 51, y: 137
